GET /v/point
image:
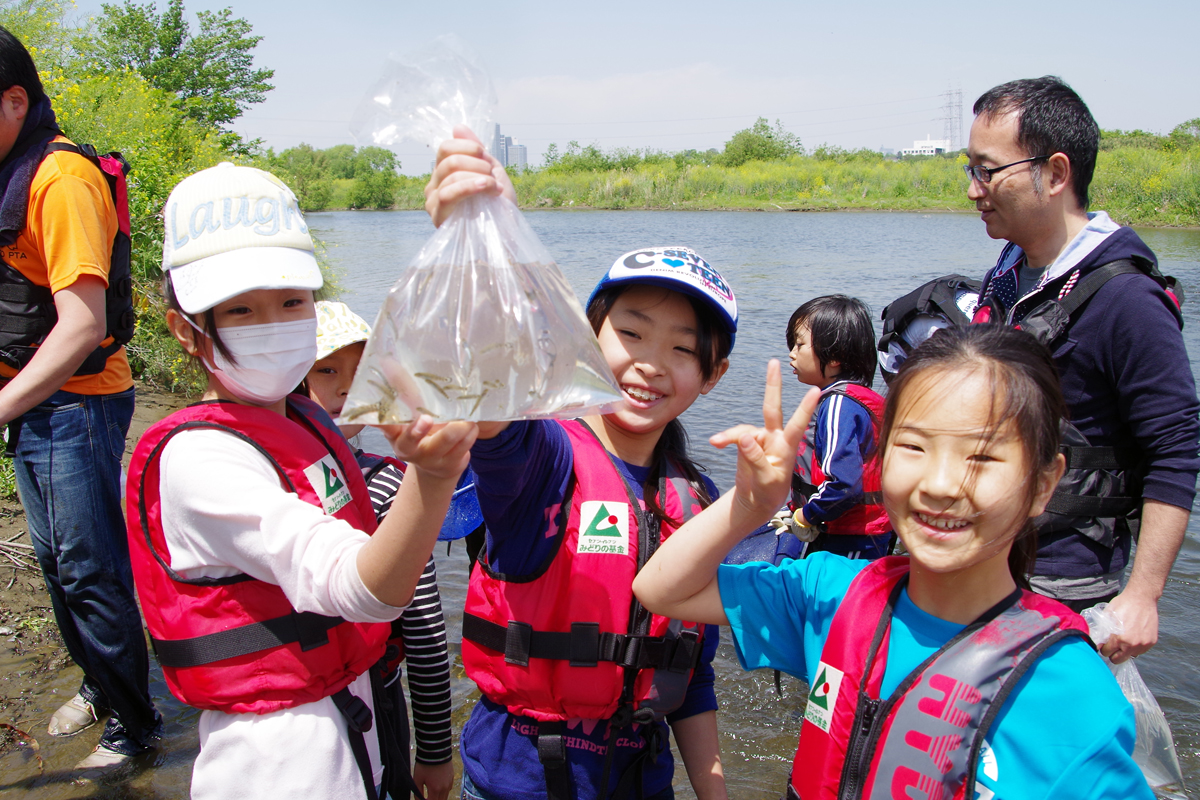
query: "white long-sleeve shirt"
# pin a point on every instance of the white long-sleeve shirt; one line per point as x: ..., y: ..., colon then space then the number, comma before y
x: 224, y: 512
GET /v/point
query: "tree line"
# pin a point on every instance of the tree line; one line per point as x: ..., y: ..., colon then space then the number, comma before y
x: 343, y: 176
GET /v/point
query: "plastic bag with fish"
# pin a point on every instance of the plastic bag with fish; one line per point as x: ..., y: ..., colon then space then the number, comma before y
x: 1154, y: 750
x: 482, y: 325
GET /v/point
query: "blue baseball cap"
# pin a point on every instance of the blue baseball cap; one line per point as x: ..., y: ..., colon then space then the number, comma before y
x: 680, y: 269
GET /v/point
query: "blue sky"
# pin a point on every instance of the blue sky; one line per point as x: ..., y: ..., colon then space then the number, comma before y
x: 671, y: 75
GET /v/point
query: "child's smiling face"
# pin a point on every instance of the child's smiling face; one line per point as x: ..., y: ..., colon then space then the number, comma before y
x: 649, y: 340
x: 955, y: 483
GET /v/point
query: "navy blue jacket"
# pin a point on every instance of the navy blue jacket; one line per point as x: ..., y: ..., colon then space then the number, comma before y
x: 1128, y: 382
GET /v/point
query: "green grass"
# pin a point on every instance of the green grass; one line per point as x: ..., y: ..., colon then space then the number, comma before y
x: 1137, y: 185
x: 8, y: 480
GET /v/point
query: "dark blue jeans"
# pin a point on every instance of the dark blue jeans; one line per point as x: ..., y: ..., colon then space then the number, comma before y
x: 68, y: 469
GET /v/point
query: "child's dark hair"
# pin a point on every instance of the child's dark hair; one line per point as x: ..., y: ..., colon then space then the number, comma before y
x: 841, y: 330
x: 1026, y: 392
x: 712, y: 347
x: 206, y: 320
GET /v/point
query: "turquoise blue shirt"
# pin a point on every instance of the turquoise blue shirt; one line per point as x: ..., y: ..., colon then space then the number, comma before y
x: 1066, y: 731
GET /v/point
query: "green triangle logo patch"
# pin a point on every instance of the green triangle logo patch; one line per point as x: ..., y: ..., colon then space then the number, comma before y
x: 328, y: 484
x: 820, y: 691
x: 332, y: 481
x: 603, y: 528
x: 823, y: 696
x: 605, y: 523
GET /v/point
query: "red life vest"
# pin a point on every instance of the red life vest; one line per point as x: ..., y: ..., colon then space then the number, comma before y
x: 927, y: 735
x: 869, y: 517
x: 236, y: 644
x: 557, y: 646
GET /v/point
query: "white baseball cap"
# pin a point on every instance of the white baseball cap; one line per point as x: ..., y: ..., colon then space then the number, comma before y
x: 230, y: 230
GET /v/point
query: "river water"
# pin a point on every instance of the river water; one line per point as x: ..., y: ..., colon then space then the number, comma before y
x: 774, y: 262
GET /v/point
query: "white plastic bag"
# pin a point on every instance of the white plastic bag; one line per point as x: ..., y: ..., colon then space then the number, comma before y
x: 1154, y: 751
x: 423, y: 95
x: 482, y: 325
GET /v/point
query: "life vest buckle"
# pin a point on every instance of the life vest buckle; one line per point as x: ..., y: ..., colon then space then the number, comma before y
x: 633, y: 651
x: 358, y: 716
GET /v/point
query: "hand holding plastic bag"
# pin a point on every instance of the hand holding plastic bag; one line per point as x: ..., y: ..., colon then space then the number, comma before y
x: 1154, y: 751
x: 482, y: 325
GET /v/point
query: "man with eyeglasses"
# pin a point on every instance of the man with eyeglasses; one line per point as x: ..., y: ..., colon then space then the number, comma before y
x: 1120, y: 354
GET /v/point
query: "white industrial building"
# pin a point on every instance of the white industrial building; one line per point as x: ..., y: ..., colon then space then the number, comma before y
x: 927, y: 147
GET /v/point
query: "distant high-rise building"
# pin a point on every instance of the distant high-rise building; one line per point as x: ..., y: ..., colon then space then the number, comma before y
x: 507, y: 151
x: 497, y: 147
x: 515, y: 154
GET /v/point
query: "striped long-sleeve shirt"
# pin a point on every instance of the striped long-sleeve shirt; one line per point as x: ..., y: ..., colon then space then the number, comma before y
x: 423, y: 630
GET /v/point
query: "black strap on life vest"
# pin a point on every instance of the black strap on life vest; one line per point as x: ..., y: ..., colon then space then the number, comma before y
x: 584, y: 645
x: 552, y: 753
x: 393, y: 732
x: 307, y: 629
x: 1074, y: 505
x: 1087, y: 496
x: 358, y: 721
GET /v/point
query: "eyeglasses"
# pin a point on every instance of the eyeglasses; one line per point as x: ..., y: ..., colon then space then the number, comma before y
x: 984, y: 174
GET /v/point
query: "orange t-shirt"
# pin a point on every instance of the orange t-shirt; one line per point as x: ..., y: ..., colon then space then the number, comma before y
x: 68, y: 233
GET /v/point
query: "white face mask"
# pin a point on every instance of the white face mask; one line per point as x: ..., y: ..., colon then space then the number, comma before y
x: 272, y: 359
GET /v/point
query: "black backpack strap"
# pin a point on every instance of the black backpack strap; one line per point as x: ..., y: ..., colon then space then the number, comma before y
x: 1050, y: 319
x: 120, y: 318
x: 1091, y: 283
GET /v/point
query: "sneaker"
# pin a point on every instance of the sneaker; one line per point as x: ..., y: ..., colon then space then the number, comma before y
x: 72, y: 717
x: 103, y: 758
